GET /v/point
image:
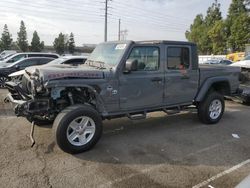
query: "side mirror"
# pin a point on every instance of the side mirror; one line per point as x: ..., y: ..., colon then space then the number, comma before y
x: 131, y: 65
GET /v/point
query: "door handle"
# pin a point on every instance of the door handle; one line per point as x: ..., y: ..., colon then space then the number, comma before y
x: 156, y: 79
x: 185, y: 77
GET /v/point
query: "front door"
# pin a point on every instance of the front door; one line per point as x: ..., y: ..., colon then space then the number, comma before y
x: 144, y: 87
x: 181, y: 77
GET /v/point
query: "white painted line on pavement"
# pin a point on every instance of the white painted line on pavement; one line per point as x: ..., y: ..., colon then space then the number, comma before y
x: 236, y: 167
x: 7, y: 117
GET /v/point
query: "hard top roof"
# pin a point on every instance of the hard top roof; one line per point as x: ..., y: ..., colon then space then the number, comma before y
x: 155, y: 42
x: 164, y: 42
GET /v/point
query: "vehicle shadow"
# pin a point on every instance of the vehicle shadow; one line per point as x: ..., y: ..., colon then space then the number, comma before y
x: 145, y: 141
x: 178, y: 139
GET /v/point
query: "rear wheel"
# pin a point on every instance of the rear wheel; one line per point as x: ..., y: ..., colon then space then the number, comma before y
x: 77, y: 128
x: 211, y: 109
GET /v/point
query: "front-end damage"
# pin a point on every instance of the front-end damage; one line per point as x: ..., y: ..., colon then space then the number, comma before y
x: 41, y: 94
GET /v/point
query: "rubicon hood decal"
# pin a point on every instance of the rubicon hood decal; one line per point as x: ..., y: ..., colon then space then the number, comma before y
x: 51, y: 73
x: 81, y: 74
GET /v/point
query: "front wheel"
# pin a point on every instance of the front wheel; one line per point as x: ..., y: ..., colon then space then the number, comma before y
x: 211, y: 109
x: 77, y: 128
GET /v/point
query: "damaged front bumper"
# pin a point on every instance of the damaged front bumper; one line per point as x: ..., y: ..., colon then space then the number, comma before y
x: 25, y: 105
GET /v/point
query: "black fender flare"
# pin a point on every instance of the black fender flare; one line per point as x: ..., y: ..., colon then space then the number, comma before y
x: 207, y: 84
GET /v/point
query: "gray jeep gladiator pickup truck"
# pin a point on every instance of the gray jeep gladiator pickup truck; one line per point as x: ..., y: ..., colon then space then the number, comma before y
x: 121, y: 79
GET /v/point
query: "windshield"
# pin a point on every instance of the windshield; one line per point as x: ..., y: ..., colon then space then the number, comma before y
x: 247, y: 58
x: 6, y: 56
x: 57, y: 61
x: 108, y: 53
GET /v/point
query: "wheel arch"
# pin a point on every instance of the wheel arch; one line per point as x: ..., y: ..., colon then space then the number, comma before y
x: 94, y: 89
x: 218, y: 84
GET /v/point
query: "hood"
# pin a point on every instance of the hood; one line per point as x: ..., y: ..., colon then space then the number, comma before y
x: 5, y: 70
x: 30, y: 70
x: 55, y: 72
x: 3, y: 64
x: 18, y: 73
x: 244, y: 64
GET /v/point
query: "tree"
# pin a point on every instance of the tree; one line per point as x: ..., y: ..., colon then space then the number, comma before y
x: 71, y: 43
x: 218, y: 37
x: 239, y: 33
x: 196, y: 33
x: 247, y: 3
x: 238, y: 27
x: 213, y: 14
x: 199, y: 30
x: 36, y: 45
x: 6, y: 39
x: 22, y: 41
x: 59, y: 44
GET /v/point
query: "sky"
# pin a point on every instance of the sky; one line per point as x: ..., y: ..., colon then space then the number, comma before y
x: 143, y: 19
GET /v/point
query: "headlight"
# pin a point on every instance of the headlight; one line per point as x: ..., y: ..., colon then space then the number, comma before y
x: 36, y: 84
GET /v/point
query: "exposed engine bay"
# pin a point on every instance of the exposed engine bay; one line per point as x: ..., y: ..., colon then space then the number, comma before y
x: 45, y: 104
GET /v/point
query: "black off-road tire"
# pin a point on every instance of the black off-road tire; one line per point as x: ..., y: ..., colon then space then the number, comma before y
x: 63, y: 120
x: 203, y: 108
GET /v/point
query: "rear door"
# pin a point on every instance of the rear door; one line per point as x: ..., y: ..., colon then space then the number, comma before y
x: 181, y: 77
x: 144, y: 87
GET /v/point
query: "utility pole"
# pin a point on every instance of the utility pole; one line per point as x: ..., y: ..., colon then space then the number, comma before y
x: 106, y: 21
x: 124, y: 34
x: 119, y: 30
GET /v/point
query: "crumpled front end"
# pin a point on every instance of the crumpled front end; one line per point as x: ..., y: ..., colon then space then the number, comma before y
x: 24, y: 103
x: 35, y: 98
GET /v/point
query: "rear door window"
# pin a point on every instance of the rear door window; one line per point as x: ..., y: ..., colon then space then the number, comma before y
x: 17, y: 58
x: 178, y: 58
x: 45, y: 61
x: 28, y: 62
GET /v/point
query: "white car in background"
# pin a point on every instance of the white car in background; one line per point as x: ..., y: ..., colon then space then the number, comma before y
x: 65, y: 60
x: 6, y: 53
x: 245, y: 69
x: 245, y: 64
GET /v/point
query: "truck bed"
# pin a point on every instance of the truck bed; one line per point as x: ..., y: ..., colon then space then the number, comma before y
x: 231, y: 73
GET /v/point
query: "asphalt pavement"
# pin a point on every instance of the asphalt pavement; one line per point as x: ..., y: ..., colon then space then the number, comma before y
x: 160, y: 151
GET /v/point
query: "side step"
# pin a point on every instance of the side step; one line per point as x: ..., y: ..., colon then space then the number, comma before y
x: 172, y: 111
x: 137, y: 116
